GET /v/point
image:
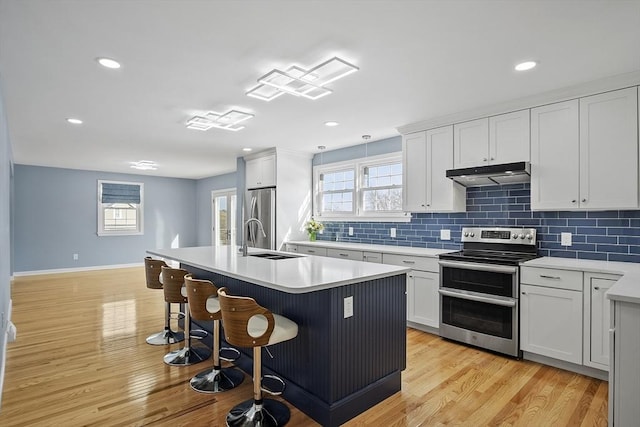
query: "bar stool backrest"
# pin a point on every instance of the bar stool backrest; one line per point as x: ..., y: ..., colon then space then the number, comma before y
x: 152, y: 269
x: 172, y: 283
x: 236, y: 314
x: 198, y: 292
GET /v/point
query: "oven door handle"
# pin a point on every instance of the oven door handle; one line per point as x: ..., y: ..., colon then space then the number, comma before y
x: 507, y: 269
x: 477, y: 298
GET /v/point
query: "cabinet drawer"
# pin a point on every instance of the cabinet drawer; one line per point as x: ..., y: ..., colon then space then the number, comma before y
x: 312, y: 250
x: 552, y: 278
x: 344, y: 254
x: 372, y: 257
x: 415, y: 262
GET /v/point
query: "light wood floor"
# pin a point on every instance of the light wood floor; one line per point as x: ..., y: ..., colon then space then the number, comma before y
x: 81, y: 359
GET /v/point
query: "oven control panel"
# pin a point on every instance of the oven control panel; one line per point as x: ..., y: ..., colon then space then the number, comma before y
x: 520, y: 236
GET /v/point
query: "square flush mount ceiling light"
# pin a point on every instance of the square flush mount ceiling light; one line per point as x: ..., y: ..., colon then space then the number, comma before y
x: 227, y: 121
x: 298, y: 81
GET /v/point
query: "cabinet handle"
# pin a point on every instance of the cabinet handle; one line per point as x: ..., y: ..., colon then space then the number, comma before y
x: 492, y: 158
x: 343, y: 254
x: 524, y: 293
x: 573, y: 201
x: 408, y: 262
x: 484, y: 159
x: 596, y: 288
x: 311, y: 251
x: 550, y: 277
x: 584, y: 200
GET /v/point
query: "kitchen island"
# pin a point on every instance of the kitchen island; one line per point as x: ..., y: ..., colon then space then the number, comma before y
x: 339, y: 365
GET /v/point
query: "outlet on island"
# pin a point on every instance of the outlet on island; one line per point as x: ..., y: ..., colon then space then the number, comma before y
x: 75, y: 257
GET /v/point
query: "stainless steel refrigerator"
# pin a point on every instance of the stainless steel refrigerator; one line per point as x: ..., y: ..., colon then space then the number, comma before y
x: 260, y: 204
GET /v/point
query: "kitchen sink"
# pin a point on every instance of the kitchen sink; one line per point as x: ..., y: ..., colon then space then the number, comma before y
x: 274, y: 256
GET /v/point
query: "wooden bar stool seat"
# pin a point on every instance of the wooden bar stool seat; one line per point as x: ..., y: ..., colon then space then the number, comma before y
x: 204, y: 305
x: 153, y: 268
x: 175, y: 292
x: 247, y: 324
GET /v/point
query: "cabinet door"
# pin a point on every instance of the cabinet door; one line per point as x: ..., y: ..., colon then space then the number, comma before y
x: 344, y: 254
x: 375, y: 257
x: 471, y: 143
x: 555, y: 156
x: 312, y: 250
x: 596, y: 320
x: 268, y: 171
x: 509, y: 138
x: 551, y: 322
x: 423, y: 303
x: 261, y: 172
x: 253, y: 174
x: 609, y: 150
x: 442, y: 194
x: 414, y: 172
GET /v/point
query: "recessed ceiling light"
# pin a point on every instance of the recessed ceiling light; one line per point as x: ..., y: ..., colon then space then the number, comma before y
x: 247, y: 149
x: 527, y: 65
x: 108, y: 63
x: 144, y: 165
x: 74, y: 121
x: 331, y: 123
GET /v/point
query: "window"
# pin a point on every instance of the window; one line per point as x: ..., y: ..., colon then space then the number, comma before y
x: 120, y: 208
x: 369, y: 189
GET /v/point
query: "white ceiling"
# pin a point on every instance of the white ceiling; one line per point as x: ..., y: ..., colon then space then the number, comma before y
x: 418, y: 60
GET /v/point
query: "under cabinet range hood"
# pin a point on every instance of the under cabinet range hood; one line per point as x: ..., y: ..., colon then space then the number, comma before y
x: 506, y: 173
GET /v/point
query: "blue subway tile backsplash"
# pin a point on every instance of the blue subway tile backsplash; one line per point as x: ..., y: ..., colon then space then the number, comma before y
x: 604, y: 235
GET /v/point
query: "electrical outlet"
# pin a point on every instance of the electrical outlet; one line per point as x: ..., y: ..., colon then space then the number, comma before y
x: 75, y: 257
x: 392, y: 232
x: 350, y: 231
x: 348, y: 307
x: 445, y: 234
x: 565, y: 239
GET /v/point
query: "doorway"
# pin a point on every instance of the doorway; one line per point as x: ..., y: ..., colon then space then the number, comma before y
x: 223, y: 217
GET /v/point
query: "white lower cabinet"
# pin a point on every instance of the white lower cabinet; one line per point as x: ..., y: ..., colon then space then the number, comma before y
x: 423, y: 304
x: 597, y: 316
x: 312, y: 250
x: 551, y: 322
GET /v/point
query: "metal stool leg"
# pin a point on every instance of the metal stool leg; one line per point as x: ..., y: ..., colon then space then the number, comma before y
x: 167, y: 336
x: 258, y: 411
x: 216, y: 379
x: 187, y: 355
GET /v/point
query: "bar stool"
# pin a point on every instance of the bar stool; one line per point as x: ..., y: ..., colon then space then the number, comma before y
x: 247, y: 324
x: 152, y: 269
x: 204, y: 305
x: 175, y: 292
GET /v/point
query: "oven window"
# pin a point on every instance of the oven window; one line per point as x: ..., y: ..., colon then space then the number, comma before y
x: 484, y: 282
x: 476, y: 316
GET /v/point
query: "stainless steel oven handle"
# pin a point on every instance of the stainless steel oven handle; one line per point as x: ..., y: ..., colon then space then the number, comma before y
x: 477, y: 298
x: 507, y: 269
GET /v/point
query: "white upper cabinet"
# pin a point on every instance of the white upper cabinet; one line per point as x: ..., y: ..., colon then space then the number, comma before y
x: 471, y: 144
x: 427, y: 156
x: 498, y: 139
x: 584, y: 153
x: 554, y: 156
x: 509, y: 138
x: 609, y: 150
x: 261, y: 172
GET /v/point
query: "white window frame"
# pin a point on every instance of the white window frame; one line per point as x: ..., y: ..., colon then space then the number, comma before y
x: 358, y: 213
x: 139, y: 211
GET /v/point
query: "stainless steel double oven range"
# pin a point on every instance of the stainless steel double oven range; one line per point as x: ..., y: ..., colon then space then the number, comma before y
x: 479, y: 287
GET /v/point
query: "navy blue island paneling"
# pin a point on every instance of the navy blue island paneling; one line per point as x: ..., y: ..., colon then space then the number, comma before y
x: 335, y: 368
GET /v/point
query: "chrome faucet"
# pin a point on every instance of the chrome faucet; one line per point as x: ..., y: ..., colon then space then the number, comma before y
x: 246, y: 229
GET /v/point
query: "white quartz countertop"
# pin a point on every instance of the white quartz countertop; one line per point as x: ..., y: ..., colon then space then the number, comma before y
x: 399, y: 250
x: 304, y: 273
x: 626, y: 289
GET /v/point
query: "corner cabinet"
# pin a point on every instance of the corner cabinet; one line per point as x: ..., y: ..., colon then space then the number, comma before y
x: 261, y: 172
x: 584, y: 153
x: 426, y: 158
x: 497, y: 139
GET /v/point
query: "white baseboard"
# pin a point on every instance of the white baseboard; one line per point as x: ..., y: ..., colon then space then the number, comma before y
x: 74, y: 270
x: 567, y: 366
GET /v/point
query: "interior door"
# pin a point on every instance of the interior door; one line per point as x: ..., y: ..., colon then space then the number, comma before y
x: 223, y: 217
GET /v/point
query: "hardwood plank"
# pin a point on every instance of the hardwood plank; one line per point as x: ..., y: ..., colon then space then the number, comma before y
x: 81, y: 359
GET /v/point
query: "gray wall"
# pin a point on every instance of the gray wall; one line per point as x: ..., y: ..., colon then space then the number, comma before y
x: 204, y: 187
x: 5, y: 234
x: 56, y: 216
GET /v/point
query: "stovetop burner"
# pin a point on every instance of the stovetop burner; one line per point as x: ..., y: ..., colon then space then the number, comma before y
x: 494, y: 245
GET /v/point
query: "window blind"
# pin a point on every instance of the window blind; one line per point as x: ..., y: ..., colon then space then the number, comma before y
x: 120, y: 193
